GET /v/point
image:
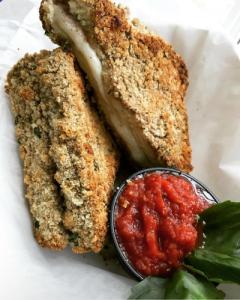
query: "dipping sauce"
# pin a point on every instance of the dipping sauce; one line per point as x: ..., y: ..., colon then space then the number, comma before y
x: 156, y: 222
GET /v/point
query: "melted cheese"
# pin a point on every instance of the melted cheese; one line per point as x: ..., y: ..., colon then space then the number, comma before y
x: 116, y: 115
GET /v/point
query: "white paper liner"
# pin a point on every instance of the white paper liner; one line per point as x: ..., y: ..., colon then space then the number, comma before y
x: 213, y: 102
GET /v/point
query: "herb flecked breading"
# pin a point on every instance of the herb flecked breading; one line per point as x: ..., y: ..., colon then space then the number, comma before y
x: 140, y: 81
x: 62, y: 141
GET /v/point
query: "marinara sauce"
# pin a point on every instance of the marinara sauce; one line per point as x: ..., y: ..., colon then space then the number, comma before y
x: 156, y: 222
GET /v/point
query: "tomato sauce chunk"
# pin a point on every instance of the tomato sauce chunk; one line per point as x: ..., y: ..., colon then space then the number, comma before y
x: 156, y: 222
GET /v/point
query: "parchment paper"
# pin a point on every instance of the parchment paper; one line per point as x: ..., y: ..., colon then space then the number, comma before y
x: 213, y: 102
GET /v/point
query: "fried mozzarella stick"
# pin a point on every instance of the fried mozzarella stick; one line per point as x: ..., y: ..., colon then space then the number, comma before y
x: 83, y: 152
x: 139, y: 79
x: 32, y: 132
x: 80, y: 147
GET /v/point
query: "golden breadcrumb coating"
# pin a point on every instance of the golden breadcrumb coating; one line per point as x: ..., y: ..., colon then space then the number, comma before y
x: 32, y: 132
x: 79, y: 148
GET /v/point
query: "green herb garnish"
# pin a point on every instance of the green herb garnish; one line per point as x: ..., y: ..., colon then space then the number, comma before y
x: 219, y: 257
x: 17, y: 118
x: 96, y: 166
x: 182, y: 285
x: 36, y: 224
x: 149, y: 288
x: 37, y: 132
x: 72, y: 237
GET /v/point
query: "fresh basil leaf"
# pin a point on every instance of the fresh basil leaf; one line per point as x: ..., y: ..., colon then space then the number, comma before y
x: 225, y: 214
x: 193, y: 270
x: 149, y: 288
x: 219, y: 257
x: 184, y: 285
x: 216, y: 266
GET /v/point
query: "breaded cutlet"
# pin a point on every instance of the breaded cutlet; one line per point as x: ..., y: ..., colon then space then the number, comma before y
x: 139, y: 79
x: 32, y: 133
x: 80, y: 147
